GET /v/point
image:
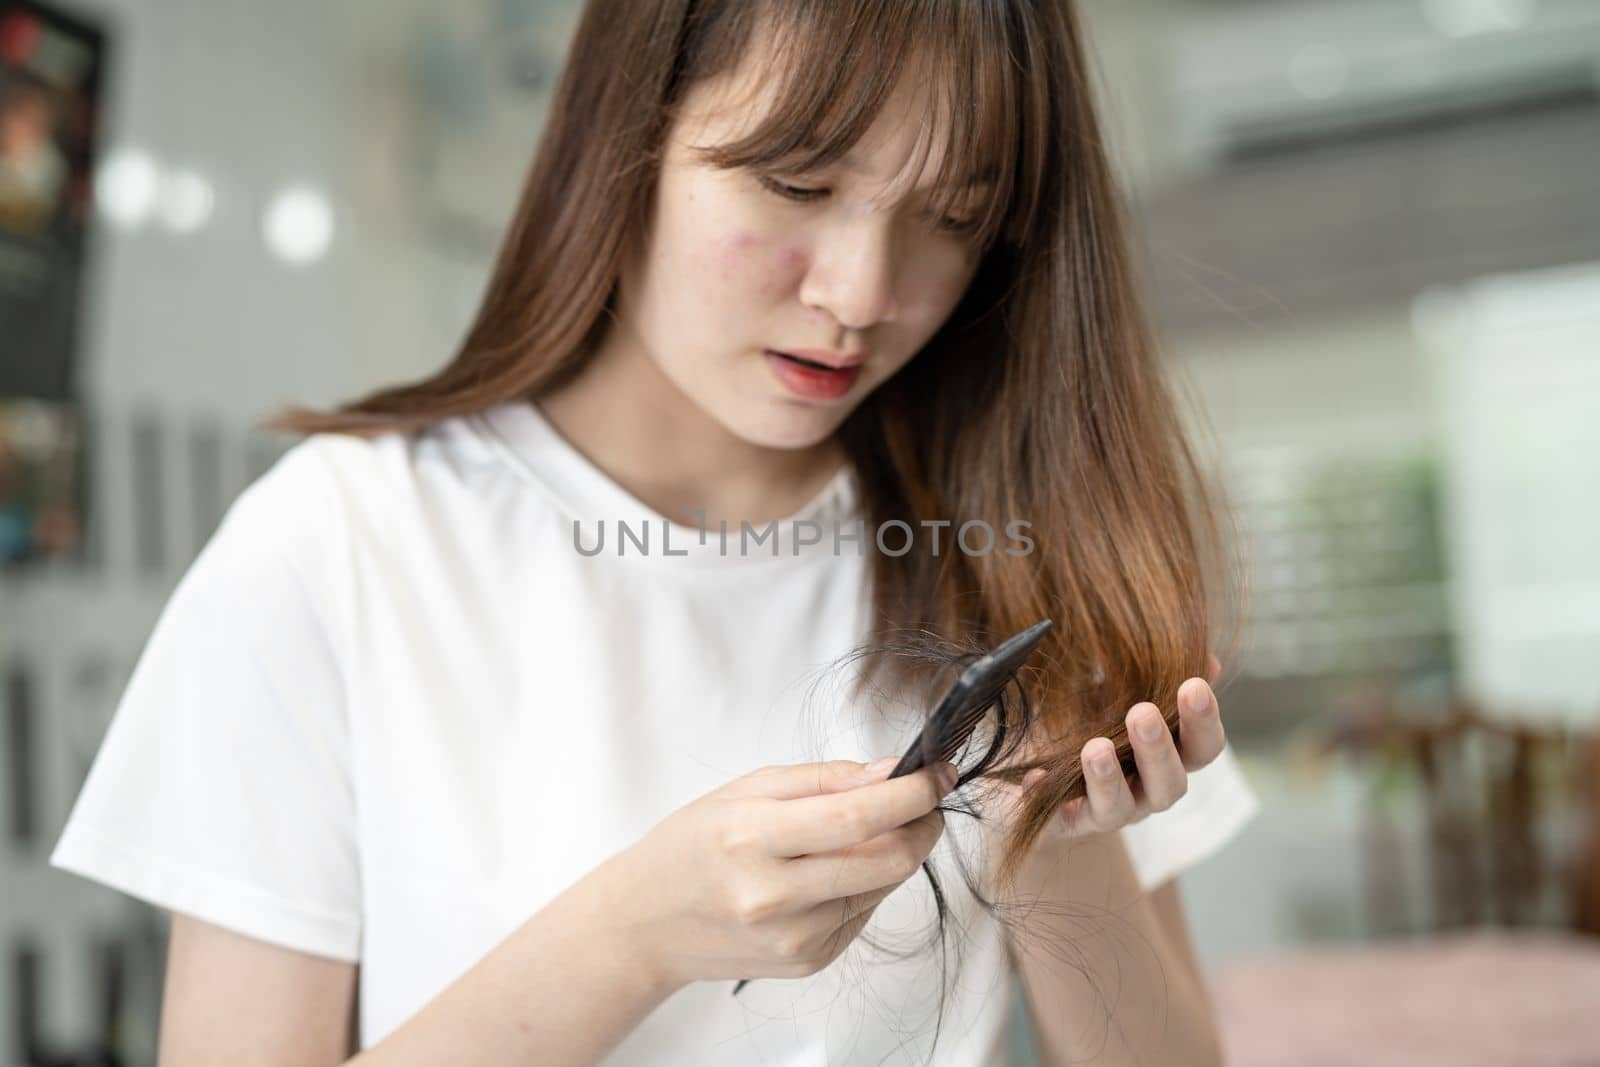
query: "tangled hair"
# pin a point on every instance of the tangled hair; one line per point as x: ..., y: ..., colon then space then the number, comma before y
x: 1041, y: 397
x: 994, y: 753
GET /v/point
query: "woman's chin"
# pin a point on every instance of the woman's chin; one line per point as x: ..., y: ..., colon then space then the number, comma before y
x: 786, y: 430
x: 775, y: 422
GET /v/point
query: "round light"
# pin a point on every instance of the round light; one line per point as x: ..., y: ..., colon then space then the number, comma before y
x: 186, y: 201
x: 126, y: 186
x: 298, y: 225
x: 1319, y: 71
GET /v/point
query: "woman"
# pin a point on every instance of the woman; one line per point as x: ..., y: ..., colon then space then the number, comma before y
x: 472, y: 708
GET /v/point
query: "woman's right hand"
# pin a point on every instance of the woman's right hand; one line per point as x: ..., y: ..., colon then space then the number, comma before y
x: 775, y: 873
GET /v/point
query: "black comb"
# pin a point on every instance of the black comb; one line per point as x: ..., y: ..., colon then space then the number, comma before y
x: 964, y: 704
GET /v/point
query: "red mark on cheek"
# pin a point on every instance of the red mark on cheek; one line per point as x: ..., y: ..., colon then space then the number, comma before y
x: 748, y: 259
x: 731, y: 254
x: 782, y: 267
x: 791, y: 257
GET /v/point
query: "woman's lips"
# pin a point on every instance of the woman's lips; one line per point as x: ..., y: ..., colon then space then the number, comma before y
x: 812, y: 381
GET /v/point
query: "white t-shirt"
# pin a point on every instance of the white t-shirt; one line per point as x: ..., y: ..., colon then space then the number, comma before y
x: 391, y: 710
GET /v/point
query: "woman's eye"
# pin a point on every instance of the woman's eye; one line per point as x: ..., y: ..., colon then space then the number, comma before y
x: 949, y: 224
x: 958, y: 227
x: 791, y: 192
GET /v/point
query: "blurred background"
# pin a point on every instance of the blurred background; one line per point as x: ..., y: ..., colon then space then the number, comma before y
x: 1371, y: 235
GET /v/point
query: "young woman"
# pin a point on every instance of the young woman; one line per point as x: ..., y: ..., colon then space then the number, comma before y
x: 473, y: 737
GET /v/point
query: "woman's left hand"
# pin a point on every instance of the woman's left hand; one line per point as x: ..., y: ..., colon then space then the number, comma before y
x: 1111, y: 801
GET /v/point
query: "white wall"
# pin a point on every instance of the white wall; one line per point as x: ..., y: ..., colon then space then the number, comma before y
x: 239, y: 92
x: 207, y: 325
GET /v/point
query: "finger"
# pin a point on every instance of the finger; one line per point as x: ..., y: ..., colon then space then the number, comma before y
x: 1161, y: 770
x: 792, y: 781
x: 1200, y: 732
x: 886, y: 860
x: 815, y: 824
x: 1075, y: 813
x: 852, y: 914
x: 1213, y: 669
x: 1110, y: 800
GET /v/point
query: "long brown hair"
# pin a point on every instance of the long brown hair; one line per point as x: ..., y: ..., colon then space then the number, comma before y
x: 1041, y: 397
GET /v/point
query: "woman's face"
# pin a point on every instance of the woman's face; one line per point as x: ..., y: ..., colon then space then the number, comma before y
x: 849, y: 262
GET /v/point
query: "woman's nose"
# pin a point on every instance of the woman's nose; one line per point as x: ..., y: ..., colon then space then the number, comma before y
x: 852, y: 275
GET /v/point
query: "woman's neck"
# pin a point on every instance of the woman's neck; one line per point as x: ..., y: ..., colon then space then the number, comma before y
x: 638, y: 427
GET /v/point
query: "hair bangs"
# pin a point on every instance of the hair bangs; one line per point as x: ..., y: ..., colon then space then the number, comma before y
x: 830, y: 68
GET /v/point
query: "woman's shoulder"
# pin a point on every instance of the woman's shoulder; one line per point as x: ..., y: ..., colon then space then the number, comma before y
x: 322, y: 492
x: 296, y: 533
x: 376, y: 479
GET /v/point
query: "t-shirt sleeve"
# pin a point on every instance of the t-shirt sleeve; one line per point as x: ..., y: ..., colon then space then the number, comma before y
x: 222, y: 788
x: 1217, y: 805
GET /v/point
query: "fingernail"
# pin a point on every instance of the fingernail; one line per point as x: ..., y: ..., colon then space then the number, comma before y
x: 1197, y: 700
x: 1102, y: 765
x: 1151, y: 727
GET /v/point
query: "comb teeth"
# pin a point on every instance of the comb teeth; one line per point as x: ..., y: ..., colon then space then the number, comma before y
x: 1004, y: 661
x: 963, y: 730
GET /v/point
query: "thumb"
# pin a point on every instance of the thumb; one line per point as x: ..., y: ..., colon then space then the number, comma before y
x: 792, y: 781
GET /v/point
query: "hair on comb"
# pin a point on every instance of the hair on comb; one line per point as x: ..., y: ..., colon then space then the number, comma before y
x: 949, y: 727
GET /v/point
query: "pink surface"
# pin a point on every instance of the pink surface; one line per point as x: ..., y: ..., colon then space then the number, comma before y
x: 1485, y: 997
